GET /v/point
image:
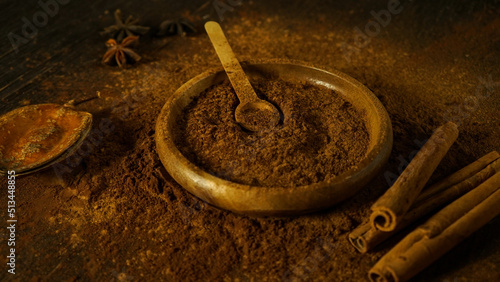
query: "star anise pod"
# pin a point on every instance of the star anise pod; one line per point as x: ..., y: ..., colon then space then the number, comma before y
x: 128, y: 28
x: 180, y: 26
x: 119, y: 53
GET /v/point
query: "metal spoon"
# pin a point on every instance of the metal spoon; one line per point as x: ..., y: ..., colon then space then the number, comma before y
x: 35, y: 137
x: 252, y: 113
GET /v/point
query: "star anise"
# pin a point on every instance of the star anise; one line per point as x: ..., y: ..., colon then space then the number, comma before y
x: 180, y: 26
x: 119, y: 53
x: 128, y: 28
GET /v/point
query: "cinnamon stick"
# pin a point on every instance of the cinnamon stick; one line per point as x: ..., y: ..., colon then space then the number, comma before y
x: 388, y: 210
x: 460, y: 175
x: 440, y: 233
x: 365, y: 237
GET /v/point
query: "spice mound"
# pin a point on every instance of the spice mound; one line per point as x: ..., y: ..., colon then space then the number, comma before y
x: 321, y: 136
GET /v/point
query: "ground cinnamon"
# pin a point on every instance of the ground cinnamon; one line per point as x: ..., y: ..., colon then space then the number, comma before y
x: 321, y: 136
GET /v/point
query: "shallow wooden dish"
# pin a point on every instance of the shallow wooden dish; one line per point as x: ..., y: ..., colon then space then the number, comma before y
x: 264, y: 201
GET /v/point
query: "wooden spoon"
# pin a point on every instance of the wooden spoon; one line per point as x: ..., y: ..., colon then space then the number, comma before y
x: 252, y: 113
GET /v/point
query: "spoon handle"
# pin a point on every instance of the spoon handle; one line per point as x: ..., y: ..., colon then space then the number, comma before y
x: 234, y: 71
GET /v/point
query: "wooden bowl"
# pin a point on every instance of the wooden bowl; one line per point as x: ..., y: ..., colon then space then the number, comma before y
x: 263, y: 201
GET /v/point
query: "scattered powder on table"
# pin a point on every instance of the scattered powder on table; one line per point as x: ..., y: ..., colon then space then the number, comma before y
x: 321, y: 136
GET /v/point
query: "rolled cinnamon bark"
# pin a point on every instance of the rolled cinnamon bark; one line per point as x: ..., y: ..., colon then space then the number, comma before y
x: 440, y: 233
x: 459, y: 176
x: 365, y: 237
x: 388, y: 210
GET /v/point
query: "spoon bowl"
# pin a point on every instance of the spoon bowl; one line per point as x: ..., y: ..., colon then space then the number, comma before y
x: 34, y: 137
x: 257, y: 115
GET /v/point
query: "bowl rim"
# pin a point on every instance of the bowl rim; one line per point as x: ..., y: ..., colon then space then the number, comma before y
x: 165, y: 144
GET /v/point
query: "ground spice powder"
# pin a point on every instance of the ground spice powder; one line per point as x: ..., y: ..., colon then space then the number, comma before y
x: 321, y: 135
